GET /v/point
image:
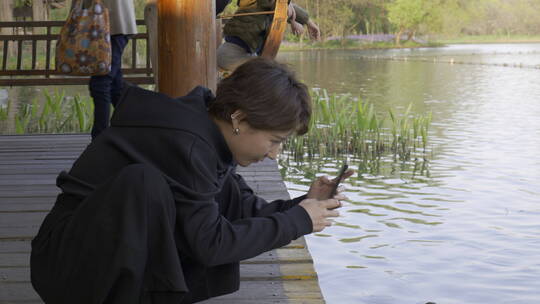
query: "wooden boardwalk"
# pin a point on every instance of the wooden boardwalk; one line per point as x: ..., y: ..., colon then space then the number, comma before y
x: 29, y: 165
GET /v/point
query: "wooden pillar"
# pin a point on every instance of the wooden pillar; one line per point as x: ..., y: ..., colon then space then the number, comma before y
x: 186, y: 45
x: 150, y: 18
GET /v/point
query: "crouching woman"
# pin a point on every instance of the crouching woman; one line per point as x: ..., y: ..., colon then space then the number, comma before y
x: 153, y: 211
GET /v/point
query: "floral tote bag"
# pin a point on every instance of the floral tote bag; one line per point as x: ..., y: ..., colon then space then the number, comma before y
x: 84, y: 45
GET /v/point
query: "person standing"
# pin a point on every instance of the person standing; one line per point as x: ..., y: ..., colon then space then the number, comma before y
x: 106, y: 89
x: 245, y: 35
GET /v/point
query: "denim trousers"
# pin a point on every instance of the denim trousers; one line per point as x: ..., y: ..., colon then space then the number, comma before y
x: 107, y: 89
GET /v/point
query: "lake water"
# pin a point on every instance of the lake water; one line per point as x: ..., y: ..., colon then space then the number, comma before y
x: 465, y: 227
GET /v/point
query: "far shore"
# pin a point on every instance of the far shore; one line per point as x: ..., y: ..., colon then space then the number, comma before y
x: 366, y: 44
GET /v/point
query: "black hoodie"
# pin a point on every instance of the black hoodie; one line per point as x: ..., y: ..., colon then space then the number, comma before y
x: 212, y: 232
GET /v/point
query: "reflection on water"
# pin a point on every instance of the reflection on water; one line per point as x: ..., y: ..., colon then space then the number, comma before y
x: 458, y: 227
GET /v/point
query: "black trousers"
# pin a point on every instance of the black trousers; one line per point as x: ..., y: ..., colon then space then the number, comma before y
x: 106, y: 89
x: 115, y: 246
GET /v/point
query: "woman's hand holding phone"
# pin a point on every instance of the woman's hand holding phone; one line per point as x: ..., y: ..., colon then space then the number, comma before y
x: 323, y: 188
x: 320, y: 212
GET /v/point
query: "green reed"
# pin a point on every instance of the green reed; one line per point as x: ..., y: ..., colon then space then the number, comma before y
x: 340, y: 126
x: 56, y: 114
x: 4, y: 112
x: 343, y: 125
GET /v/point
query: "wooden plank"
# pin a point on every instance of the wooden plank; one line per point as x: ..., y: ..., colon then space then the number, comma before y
x: 27, y: 207
x: 37, y: 169
x: 48, y: 52
x: 34, y: 143
x: 273, y: 272
x: 14, y: 247
x: 43, y: 37
x: 21, y: 292
x: 5, y: 55
x: 25, y: 191
x: 14, y: 259
x: 249, y: 272
x: 278, y: 256
x: 271, y: 301
x: 282, y: 255
x: 45, y: 138
x: 31, y: 23
x: 20, y: 225
x: 133, y: 53
x: 44, y: 72
x: 66, y: 81
x: 250, y: 292
x: 31, y: 151
x: 148, y: 54
x: 34, y: 55
x: 19, y: 54
x: 26, y: 200
x: 257, y: 291
x: 11, y: 180
x: 18, y: 254
x: 30, y: 162
x: 40, y: 23
x: 15, y: 274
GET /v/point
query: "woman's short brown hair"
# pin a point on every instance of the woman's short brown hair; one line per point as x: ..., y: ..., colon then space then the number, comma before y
x: 268, y: 93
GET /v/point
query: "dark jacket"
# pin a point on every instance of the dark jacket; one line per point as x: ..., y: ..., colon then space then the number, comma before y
x: 176, y: 136
x: 220, y: 6
x: 253, y: 29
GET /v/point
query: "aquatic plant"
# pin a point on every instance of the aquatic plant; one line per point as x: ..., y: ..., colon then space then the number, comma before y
x: 56, y: 114
x: 340, y: 126
x: 343, y: 125
x: 4, y: 111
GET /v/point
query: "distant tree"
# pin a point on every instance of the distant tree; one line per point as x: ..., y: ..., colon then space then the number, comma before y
x: 372, y: 16
x: 408, y: 15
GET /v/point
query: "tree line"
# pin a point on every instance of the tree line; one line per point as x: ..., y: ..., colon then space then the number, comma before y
x: 339, y: 18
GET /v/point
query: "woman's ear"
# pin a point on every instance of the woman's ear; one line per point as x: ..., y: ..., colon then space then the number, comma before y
x: 236, y: 118
x: 238, y: 115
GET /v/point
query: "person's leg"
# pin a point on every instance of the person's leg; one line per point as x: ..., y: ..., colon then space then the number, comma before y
x: 100, y: 90
x: 101, y: 86
x: 230, y: 56
x: 119, y: 43
x: 117, y: 246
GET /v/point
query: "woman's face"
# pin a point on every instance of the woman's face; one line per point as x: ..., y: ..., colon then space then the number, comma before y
x: 253, y: 145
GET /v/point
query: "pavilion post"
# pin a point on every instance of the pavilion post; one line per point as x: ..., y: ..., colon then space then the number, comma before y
x: 186, y: 46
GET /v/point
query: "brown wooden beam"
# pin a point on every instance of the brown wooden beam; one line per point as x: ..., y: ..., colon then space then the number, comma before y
x: 43, y: 72
x: 66, y: 81
x: 43, y: 23
x: 186, y: 45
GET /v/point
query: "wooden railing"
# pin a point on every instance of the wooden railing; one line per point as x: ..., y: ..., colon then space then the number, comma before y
x: 28, y: 59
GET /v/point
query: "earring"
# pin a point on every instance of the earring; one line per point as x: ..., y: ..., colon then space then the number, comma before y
x: 235, y: 131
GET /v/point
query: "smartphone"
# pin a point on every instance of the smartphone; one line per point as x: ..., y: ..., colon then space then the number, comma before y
x: 339, y: 178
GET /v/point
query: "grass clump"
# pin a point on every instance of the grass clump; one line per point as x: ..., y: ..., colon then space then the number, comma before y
x: 56, y: 114
x: 343, y: 125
